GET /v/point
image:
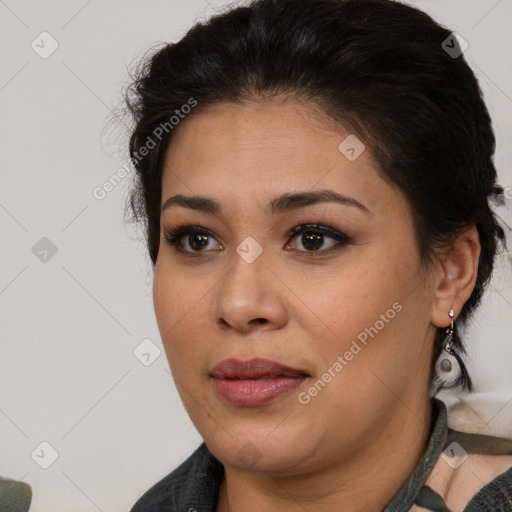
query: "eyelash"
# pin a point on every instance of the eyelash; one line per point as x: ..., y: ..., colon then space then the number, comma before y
x: 172, y: 237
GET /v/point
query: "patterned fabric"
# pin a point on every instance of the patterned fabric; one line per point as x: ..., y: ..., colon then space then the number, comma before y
x: 194, y: 485
x: 495, y: 497
x: 14, y: 496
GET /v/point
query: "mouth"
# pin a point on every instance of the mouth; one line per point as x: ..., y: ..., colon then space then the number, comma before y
x: 255, y: 381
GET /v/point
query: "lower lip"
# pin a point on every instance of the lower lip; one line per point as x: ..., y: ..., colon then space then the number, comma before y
x: 255, y: 392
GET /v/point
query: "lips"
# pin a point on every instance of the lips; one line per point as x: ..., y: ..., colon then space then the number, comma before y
x: 255, y: 381
x: 253, y: 369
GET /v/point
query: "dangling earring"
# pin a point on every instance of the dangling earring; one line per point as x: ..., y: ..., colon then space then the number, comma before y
x: 446, y: 363
x: 450, y: 369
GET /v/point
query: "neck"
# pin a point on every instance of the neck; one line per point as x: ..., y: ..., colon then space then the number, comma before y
x: 368, y: 481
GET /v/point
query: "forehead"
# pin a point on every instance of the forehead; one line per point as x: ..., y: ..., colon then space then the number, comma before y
x: 271, y: 135
x: 243, y: 152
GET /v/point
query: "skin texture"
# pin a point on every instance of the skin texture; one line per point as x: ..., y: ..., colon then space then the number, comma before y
x: 368, y: 427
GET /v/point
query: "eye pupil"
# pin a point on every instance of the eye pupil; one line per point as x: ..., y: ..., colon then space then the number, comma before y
x: 201, y: 239
x: 312, y: 241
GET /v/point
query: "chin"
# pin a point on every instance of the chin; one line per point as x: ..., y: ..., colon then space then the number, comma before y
x: 250, y: 451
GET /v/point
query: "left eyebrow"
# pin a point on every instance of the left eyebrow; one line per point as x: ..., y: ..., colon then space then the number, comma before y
x: 282, y: 204
x: 289, y: 202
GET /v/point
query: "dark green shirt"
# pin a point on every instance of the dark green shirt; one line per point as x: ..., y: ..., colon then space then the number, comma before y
x: 194, y: 485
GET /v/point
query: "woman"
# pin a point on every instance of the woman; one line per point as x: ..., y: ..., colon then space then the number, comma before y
x: 315, y: 179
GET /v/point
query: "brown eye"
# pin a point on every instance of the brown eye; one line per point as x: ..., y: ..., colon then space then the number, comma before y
x: 312, y: 241
x: 317, y: 239
x: 198, y: 242
x: 190, y: 239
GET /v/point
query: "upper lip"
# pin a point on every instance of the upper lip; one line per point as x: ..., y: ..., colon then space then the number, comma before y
x: 253, y: 369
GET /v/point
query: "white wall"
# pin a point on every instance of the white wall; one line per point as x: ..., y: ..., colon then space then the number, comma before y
x: 68, y: 375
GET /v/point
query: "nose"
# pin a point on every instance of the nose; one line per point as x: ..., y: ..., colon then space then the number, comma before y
x: 250, y: 297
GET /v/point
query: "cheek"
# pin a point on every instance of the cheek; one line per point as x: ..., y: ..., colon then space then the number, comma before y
x: 353, y: 295
x: 369, y: 300
x: 165, y: 291
x: 353, y: 322
x: 181, y: 313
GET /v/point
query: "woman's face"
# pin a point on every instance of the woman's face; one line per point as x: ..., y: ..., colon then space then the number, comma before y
x: 345, y: 305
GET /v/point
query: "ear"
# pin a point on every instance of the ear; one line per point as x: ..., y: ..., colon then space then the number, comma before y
x: 455, y: 276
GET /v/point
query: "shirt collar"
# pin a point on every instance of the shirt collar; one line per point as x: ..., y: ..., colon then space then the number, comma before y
x: 404, y: 498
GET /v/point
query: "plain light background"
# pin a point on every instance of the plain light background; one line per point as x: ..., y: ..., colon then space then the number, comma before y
x: 69, y: 325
